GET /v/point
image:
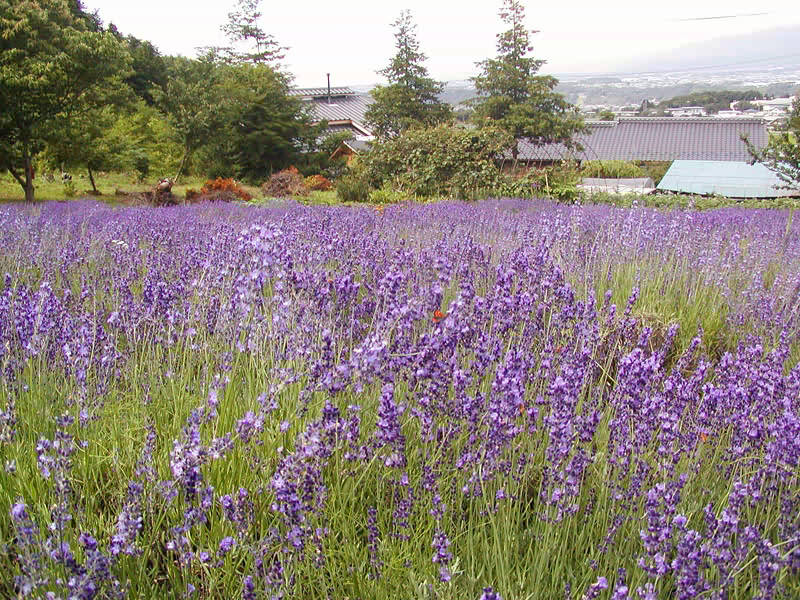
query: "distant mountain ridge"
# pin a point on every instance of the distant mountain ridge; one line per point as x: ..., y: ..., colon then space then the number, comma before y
x: 775, y: 47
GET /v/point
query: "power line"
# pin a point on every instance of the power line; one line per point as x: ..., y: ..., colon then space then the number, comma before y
x: 719, y: 17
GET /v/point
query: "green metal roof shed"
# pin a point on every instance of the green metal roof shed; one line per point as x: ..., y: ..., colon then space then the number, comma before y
x: 723, y: 178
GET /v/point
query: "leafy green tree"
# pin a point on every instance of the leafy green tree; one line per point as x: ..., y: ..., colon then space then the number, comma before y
x: 411, y: 98
x: 88, y: 140
x: 262, y: 129
x: 192, y: 101
x: 149, y: 69
x: 781, y: 155
x: 512, y: 95
x: 52, y: 64
x: 151, y: 141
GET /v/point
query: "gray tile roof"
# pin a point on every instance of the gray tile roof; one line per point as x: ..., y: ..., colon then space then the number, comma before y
x: 321, y: 92
x: 657, y: 139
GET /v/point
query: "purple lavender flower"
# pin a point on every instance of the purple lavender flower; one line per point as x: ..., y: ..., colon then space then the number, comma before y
x: 129, y: 523
x: 442, y: 555
x: 373, y: 543
x: 388, y: 431
x: 595, y: 589
x: 226, y: 544
x: 490, y: 594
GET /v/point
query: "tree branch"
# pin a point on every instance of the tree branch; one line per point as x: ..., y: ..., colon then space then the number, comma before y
x: 16, y: 176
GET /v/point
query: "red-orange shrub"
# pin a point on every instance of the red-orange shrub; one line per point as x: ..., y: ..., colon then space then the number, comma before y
x: 318, y: 183
x: 221, y: 188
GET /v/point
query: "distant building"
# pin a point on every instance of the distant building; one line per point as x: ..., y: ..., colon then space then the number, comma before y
x: 341, y: 107
x: 776, y: 103
x: 687, y: 111
x: 729, y: 114
x: 655, y: 139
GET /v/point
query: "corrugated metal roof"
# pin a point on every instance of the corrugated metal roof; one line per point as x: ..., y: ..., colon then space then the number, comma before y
x: 657, y: 139
x: 724, y: 178
x: 321, y: 92
x: 349, y: 108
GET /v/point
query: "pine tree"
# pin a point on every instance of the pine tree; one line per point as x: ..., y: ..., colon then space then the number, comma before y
x: 512, y: 95
x: 411, y: 97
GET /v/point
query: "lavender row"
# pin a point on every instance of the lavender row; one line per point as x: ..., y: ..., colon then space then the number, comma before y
x: 354, y: 399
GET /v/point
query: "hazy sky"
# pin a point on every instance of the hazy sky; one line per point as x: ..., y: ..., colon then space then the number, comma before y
x: 352, y: 39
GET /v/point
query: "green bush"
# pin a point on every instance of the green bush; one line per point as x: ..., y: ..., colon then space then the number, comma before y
x: 141, y: 163
x: 353, y: 187
x: 611, y: 169
x: 558, y: 181
x: 387, y: 195
x: 439, y: 161
x: 69, y: 189
x: 522, y: 186
x: 655, y: 170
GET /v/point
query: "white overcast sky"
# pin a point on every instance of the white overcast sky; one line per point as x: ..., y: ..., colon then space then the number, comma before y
x: 351, y: 39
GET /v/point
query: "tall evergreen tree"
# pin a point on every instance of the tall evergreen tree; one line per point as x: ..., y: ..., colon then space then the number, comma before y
x: 411, y: 98
x: 512, y: 95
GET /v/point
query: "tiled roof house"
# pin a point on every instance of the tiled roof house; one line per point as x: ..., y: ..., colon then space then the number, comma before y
x: 342, y: 108
x: 656, y: 139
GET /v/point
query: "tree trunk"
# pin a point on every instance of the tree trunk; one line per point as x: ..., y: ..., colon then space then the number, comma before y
x: 181, y: 166
x: 29, y: 190
x: 91, y: 179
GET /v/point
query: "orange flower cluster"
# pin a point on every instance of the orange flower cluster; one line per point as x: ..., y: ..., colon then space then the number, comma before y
x: 225, y: 185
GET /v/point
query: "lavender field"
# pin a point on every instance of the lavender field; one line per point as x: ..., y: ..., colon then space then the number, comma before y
x: 512, y: 399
